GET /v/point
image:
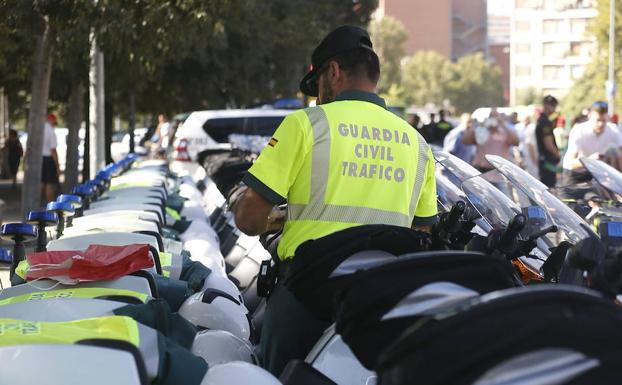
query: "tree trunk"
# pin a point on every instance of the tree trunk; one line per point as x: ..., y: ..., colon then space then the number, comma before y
x: 42, y: 69
x: 86, y: 175
x: 131, y: 121
x: 108, y: 115
x: 96, y: 108
x: 75, y: 112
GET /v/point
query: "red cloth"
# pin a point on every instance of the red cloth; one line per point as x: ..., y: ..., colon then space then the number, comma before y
x: 96, y: 263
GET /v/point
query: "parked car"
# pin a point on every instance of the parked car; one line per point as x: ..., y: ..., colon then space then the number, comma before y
x: 120, y: 145
x: 210, y: 129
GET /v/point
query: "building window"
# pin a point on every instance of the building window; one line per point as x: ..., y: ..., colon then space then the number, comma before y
x: 552, y: 26
x: 552, y: 72
x: 523, y: 48
x: 580, y: 48
x: 578, y: 25
x: 522, y: 25
x: 555, y: 50
x: 523, y: 71
x: 576, y: 72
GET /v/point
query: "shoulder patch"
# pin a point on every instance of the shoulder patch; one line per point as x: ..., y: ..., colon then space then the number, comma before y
x: 273, y: 141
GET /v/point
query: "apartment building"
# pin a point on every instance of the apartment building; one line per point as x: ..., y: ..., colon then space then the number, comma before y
x: 549, y: 46
x: 453, y: 28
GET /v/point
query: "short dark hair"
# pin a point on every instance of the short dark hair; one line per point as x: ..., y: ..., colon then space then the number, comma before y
x: 550, y: 100
x: 600, y: 107
x: 359, y: 62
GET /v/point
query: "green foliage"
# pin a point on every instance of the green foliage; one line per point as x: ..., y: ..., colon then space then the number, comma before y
x: 389, y: 36
x: 528, y: 96
x: 470, y: 82
x: 591, y: 86
x: 426, y: 77
x: 174, y: 55
x: 180, y: 56
x: 475, y: 83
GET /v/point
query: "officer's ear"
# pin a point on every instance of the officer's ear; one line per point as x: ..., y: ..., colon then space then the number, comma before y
x: 335, y: 72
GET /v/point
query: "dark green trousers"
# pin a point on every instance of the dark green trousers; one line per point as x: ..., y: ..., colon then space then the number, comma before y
x: 289, y: 330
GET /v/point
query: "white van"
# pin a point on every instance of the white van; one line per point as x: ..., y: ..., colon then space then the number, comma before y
x: 211, y: 129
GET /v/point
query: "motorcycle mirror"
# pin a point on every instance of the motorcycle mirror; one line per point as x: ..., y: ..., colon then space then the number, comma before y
x: 553, y: 263
x: 587, y: 254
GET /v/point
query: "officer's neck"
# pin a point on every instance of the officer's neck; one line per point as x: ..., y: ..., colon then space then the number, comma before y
x: 356, y: 85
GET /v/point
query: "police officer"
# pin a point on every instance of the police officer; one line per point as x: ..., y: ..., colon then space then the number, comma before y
x: 346, y: 162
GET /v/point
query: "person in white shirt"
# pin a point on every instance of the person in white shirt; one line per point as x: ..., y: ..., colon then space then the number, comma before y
x: 528, y: 147
x: 590, y: 139
x: 50, y: 169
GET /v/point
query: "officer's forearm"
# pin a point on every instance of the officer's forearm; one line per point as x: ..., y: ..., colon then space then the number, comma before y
x: 251, y: 213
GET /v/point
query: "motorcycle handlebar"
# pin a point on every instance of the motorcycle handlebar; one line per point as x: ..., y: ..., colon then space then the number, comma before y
x: 550, y: 229
x: 511, y: 232
x: 453, y: 217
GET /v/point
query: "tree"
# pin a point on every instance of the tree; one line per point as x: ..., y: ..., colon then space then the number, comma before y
x: 468, y: 83
x: 591, y: 86
x: 388, y: 36
x: 161, y: 55
x: 528, y: 96
x: 475, y: 83
x: 426, y: 76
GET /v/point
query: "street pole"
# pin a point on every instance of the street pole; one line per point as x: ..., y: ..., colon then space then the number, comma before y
x: 611, y: 87
x: 96, y: 108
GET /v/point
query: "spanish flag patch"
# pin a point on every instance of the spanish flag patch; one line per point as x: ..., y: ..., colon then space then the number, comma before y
x: 273, y: 141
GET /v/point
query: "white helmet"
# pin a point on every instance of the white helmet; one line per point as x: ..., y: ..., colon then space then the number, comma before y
x: 208, y: 254
x: 217, y: 310
x: 219, y: 347
x: 222, y: 283
x: 239, y: 373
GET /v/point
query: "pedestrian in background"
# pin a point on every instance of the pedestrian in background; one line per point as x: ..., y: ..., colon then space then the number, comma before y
x: 452, y: 143
x: 415, y: 121
x: 50, y: 169
x: 592, y: 138
x: 14, y: 152
x: 441, y: 129
x: 491, y: 138
x: 528, y: 147
x: 429, y: 128
x: 548, y: 153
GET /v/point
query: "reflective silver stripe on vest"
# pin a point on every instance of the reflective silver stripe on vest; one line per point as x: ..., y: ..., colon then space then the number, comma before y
x: 347, y: 214
x: 318, y: 210
x: 148, y: 346
x: 422, y: 163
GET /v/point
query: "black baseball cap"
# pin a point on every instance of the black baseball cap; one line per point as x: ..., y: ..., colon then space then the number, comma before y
x: 343, y: 39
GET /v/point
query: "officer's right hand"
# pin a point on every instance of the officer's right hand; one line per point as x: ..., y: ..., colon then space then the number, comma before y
x: 276, y: 218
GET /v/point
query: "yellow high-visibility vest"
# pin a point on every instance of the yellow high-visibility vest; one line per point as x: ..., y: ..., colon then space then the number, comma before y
x: 342, y: 164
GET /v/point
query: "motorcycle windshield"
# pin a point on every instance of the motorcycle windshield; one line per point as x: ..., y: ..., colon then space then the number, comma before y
x: 604, y: 175
x: 447, y: 192
x: 456, y: 167
x: 494, y: 208
x: 522, y: 186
